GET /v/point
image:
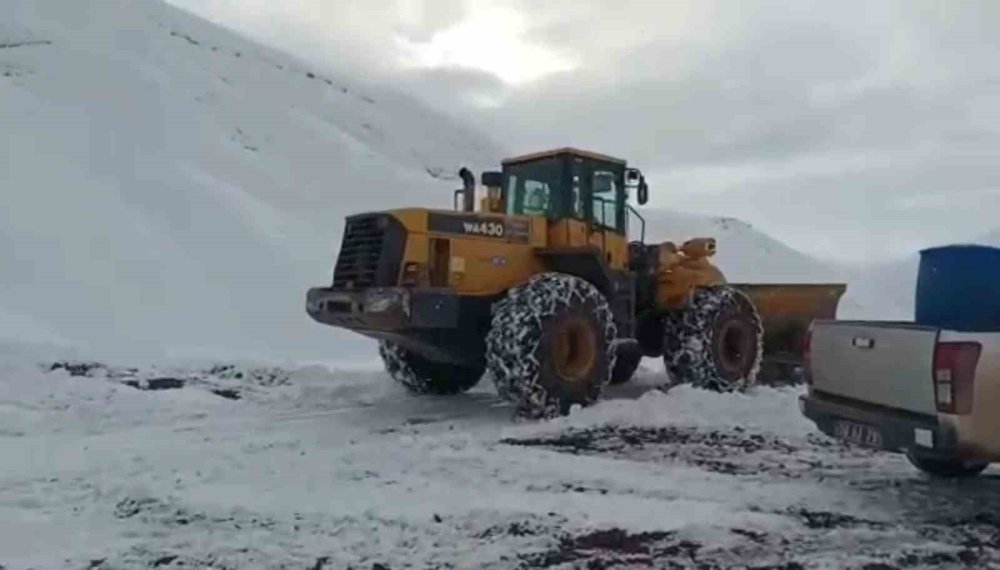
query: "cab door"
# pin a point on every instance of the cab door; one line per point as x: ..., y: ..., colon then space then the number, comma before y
x: 574, y: 227
x: 604, y: 208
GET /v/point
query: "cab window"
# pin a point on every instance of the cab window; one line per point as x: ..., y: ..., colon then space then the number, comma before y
x: 536, y: 197
x: 606, y: 199
x: 576, y: 197
x: 532, y: 186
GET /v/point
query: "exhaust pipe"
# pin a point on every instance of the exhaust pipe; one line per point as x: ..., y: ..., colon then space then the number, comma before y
x: 468, y: 189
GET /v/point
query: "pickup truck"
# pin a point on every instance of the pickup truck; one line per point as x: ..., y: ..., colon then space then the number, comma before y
x: 930, y: 393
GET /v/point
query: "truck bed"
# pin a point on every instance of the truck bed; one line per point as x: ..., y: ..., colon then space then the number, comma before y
x: 933, y: 393
x: 890, y: 364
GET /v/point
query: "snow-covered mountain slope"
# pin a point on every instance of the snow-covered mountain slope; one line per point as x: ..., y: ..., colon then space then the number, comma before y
x: 887, y: 291
x: 745, y: 254
x: 883, y: 291
x: 169, y: 185
x: 992, y: 238
x: 24, y: 329
x: 880, y: 292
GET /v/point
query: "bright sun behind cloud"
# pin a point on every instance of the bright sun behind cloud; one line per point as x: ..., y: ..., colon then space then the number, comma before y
x: 492, y: 41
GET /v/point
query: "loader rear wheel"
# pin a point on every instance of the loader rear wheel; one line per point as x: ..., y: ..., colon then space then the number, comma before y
x: 551, y: 345
x: 717, y: 343
x: 422, y: 376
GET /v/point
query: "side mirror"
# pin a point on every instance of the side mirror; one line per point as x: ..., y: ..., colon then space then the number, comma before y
x: 492, y: 179
x: 643, y: 194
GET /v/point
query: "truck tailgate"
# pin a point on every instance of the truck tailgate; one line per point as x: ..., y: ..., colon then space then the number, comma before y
x: 890, y: 364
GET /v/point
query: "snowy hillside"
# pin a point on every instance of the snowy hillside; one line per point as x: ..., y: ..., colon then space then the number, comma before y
x: 745, y: 254
x: 750, y: 256
x: 170, y: 186
x: 992, y: 238
x: 887, y: 291
x: 882, y: 291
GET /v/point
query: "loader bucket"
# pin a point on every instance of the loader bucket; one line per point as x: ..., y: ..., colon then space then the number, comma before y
x: 786, y: 310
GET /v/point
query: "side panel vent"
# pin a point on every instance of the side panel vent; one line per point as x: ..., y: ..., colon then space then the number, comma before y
x: 440, y: 262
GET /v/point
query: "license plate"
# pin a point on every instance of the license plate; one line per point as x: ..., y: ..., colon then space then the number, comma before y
x: 860, y: 434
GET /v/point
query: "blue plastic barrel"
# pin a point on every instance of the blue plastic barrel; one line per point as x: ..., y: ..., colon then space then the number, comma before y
x: 958, y: 288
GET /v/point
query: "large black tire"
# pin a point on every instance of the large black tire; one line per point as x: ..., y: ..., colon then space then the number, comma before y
x: 716, y: 343
x: 551, y: 345
x: 422, y: 376
x: 946, y: 468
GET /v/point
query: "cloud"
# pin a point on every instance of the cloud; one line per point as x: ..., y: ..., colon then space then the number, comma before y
x: 820, y: 123
x: 825, y: 123
x: 491, y: 40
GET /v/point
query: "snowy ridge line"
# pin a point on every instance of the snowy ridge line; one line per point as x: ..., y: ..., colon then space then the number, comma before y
x: 27, y: 43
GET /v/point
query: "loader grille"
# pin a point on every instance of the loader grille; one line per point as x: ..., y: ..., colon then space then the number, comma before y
x: 370, y: 252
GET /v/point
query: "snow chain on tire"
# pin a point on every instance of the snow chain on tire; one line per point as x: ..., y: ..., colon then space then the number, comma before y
x: 422, y: 376
x: 690, y: 340
x: 515, y: 353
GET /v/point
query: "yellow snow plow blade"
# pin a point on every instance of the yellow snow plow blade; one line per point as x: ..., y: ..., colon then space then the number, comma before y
x: 786, y: 311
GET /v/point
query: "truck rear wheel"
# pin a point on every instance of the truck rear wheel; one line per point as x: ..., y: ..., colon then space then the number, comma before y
x: 945, y: 468
x: 717, y: 343
x: 422, y: 376
x: 551, y: 345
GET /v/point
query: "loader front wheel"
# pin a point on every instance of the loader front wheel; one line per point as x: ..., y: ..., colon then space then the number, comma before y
x: 551, y: 345
x: 716, y: 343
x: 421, y: 376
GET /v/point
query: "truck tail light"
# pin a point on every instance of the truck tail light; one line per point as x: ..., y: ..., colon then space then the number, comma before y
x: 954, y: 374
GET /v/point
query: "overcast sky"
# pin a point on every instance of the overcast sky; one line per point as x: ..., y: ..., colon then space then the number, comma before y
x: 851, y: 130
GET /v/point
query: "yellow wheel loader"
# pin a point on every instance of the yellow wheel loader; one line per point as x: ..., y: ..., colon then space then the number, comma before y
x: 542, y: 290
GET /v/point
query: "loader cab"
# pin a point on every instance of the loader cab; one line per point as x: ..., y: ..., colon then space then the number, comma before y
x: 568, y: 184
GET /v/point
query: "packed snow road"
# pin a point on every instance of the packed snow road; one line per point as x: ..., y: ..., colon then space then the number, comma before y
x: 240, y: 467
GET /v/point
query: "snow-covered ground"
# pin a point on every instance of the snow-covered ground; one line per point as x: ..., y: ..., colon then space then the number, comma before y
x: 262, y: 467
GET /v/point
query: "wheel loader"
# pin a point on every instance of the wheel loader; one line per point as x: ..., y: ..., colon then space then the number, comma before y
x: 542, y: 290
